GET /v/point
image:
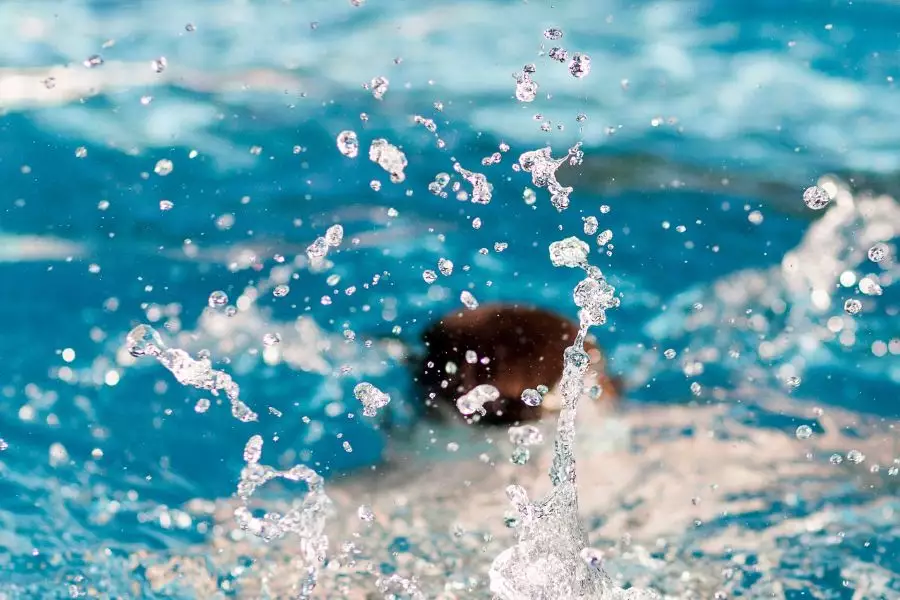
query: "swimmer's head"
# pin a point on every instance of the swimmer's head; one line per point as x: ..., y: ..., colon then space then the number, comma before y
x: 510, y: 347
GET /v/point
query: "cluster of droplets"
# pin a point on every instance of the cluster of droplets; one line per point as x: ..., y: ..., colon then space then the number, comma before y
x: 579, y: 65
x: 526, y: 86
x: 522, y: 437
x: 473, y: 401
x: 542, y: 166
x: 550, y: 539
x: 482, y: 189
x: 305, y: 518
x: 318, y: 250
x: 143, y: 340
x: 371, y: 398
x: 390, y: 158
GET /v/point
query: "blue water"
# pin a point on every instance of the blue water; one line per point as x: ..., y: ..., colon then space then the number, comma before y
x: 768, y: 96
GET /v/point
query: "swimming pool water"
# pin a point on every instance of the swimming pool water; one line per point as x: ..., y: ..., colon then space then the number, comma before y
x: 705, y: 121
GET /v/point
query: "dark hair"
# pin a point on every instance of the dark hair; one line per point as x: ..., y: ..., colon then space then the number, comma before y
x: 523, y: 347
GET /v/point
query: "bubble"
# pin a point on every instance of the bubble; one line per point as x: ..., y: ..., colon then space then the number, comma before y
x: 217, y: 299
x: 379, y: 87
x: 271, y: 339
x: 816, y: 198
x: 159, y: 65
x: 468, y: 300
x: 590, y: 225
x: 580, y: 66
x: 804, y: 432
x: 445, y: 266
x: 348, y: 144
x: 371, y: 398
x: 429, y: 276
x: 570, y: 252
x: 281, y: 291
x: 163, y: 167
x: 878, y: 252
x: 852, y: 306
x: 165, y: 205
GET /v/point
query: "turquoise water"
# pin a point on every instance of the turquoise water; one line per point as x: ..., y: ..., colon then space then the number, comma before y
x: 711, y: 116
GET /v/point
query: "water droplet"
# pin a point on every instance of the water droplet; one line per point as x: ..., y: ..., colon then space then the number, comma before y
x: 281, y: 291
x: 217, y: 299
x: 271, y: 339
x: 869, y: 286
x: 92, y: 61
x: 468, y: 300
x: 365, y: 513
x: 471, y: 357
x: 445, y: 266
x: 590, y: 225
x: 793, y: 382
x: 475, y: 399
x: 804, y: 432
x: 159, y: 65
x: 669, y: 353
x: 856, y: 457
x: 580, y: 65
x: 165, y: 205
x: 816, y: 198
x: 570, y: 252
x: 202, y: 405
x: 253, y: 450
x: 390, y: 158
x: 348, y: 144
x: 379, y: 87
x: 878, y: 252
x: 371, y: 398
x: 531, y: 397
x: 553, y: 33
x: 429, y: 276
x: 163, y: 167
x: 852, y: 306
x: 334, y: 235
x: 81, y: 152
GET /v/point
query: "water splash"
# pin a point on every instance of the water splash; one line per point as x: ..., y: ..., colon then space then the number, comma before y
x: 546, y: 562
x: 143, y: 340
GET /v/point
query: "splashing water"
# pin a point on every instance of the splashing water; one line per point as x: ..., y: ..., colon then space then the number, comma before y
x: 547, y: 562
x: 143, y: 340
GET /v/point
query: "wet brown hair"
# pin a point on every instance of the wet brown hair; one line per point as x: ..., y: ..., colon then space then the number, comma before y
x: 524, y: 346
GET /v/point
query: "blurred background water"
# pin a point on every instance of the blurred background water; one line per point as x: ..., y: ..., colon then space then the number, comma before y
x: 703, y: 122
